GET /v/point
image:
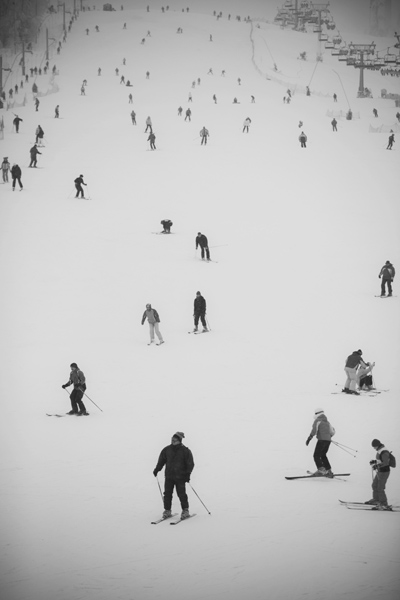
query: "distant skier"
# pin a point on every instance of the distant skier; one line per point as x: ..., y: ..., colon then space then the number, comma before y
x: 99, y: 71
x: 34, y: 152
x: 201, y: 240
x: 204, y: 134
x: 188, y: 114
x: 152, y: 140
x: 246, y: 125
x: 153, y: 319
x: 303, y: 139
x: 37, y: 102
x: 179, y: 464
x: 352, y: 364
x: 83, y: 93
x: 180, y: 110
x: 215, y: 99
x: 199, y: 312
x: 77, y: 379
x: 78, y: 185
x: 390, y: 141
x: 148, y: 125
x: 5, y: 167
x: 167, y: 224
x: 334, y: 124
x: 381, y: 464
x: 133, y: 117
x: 335, y: 97
x: 39, y: 135
x: 16, y: 123
x: 57, y: 112
x: 324, y: 432
x: 16, y: 176
x: 375, y: 113
x: 387, y: 274
x: 130, y: 99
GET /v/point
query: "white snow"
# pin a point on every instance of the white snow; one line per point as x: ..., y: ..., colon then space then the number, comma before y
x: 299, y: 236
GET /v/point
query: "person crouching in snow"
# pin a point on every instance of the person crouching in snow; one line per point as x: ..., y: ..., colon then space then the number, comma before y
x: 152, y: 316
x: 324, y: 432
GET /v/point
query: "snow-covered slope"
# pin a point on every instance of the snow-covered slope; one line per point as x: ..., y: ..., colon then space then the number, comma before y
x: 299, y: 235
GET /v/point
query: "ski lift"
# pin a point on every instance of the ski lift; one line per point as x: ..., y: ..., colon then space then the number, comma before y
x: 390, y: 58
x: 351, y: 62
x: 323, y: 37
x: 329, y: 45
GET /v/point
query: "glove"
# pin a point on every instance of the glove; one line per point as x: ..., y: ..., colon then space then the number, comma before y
x: 375, y: 467
x: 379, y: 276
x: 187, y: 478
x: 155, y: 472
x: 308, y: 440
x: 372, y: 462
x: 64, y: 386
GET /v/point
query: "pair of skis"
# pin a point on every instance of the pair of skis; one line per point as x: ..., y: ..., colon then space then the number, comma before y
x: 313, y: 476
x: 172, y: 522
x: 364, y: 506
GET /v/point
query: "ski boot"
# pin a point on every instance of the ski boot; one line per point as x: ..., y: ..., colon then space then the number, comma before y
x: 320, y: 473
x: 329, y: 474
x: 381, y: 507
x: 167, y: 514
x: 185, y: 513
x: 373, y: 502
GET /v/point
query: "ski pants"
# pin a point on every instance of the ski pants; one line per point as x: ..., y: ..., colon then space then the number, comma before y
x: 206, y: 250
x: 351, y: 379
x: 76, y: 400
x: 180, y: 487
x: 320, y: 452
x: 33, y: 162
x: 379, y: 485
x: 5, y: 175
x: 79, y: 190
x: 204, y: 140
x: 389, y: 286
x: 19, y: 181
x: 198, y: 316
x: 155, y: 328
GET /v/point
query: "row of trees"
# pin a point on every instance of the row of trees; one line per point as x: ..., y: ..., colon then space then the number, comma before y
x: 20, y: 20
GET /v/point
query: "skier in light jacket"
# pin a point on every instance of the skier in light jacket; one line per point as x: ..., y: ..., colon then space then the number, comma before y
x: 324, y: 432
x: 153, y: 319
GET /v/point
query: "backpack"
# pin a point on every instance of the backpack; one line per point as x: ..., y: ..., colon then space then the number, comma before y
x: 392, y: 460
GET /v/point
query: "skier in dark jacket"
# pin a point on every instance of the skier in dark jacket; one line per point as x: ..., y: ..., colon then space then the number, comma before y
x: 78, y: 184
x: 381, y: 464
x: 152, y: 140
x: 202, y: 241
x: 16, y: 123
x: 303, y: 139
x: 78, y: 380
x: 16, y: 176
x: 179, y: 464
x: 34, y: 152
x: 199, y: 312
x: 39, y: 135
x: 390, y: 141
x: 352, y: 363
x: 387, y: 274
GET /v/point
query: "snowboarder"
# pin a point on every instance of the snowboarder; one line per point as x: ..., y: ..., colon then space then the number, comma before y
x: 57, y: 112
x: 167, y: 224
x: 303, y: 139
x: 324, y: 432
x: 352, y: 364
x: 152, y: 140
x: 78, y: 185
x: 334, y: 124
x: 39, y: 135
x: 5, y: 167
x: 16, y: 122
x: 201, y: 240
x: 381, y: 464
x: 16, y: 176
x: 77, y: 379
x: 204, y: 134
x: 246, y: 125
x: 390, y: 141
x: 199, y: 312
x: 153, y: 319
x: 179, y: 464
x: 387, y: 274
x: 148, y: 125
x: 34, y: 152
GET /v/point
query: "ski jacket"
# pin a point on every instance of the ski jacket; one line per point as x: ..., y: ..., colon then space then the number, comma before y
x: 78, y: 379
x: 178, y: 461
x: 322, y: 428
x: 16, y: 171
x: 201, y: 241
x: 303, y: 137
x: 354, y: 360
x: 34, y: 151
x: 200, y: 305
x: 151, y: 315
x: 204, y: 132
x: 5, y: 165
x: 39, y: 132
x: 79, y: 181
x: 387, y: 271
x: 382, y: 456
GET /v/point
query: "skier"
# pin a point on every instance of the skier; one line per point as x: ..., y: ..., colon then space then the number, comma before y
x: 199, y: 312
x: 99, y: 71
x: 201, y: 240
x: 252, y: 99
x: 167, y: 224
x: 353, y: 362
x: 179, y: 464
x: 188, y: 114
x: 335, y: 97
x: 334, y: 124
x: 39, y: 135
x: 34, y: 152
x: 133, y: 117
x: 77, y: 378
x: 5, y: 167
x: 83, y: 93
x: 16, y: 176
x: 130, y: 99
x: 324, y: 432
x: 204, y: 134
x: 303, y: 139
x: 37, y: 103
x: 381, y: 464
x: 375, y: 113
x: 16, y: 122
x: 148, y: 125
x: 364, y: 377
x: 390, y: 141
x: 78, y: 185
x: 387, y: 274
x: 152, y: 140
x: 180, y: 109
x: 215, y: 99
x: 57, y: 112
x: 246, y: 125
x: 153, y: 319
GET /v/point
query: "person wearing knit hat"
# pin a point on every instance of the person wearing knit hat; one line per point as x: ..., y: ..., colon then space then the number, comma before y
x: 324, y: 432
x: 199, y: 312
x: 77, y: 379
x: 387, y: 273
x: 381, y: 464
x: 5, y: 167
x: 179, y: 464
x: 351, y: 366
x: 153, y: 319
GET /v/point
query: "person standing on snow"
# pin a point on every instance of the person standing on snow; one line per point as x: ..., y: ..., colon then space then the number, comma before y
x: 204, y: 134
x: 78, y: 185
x: 188, y: 114
x: 381, y: 465
x: 148, y: 125
x: 16, y: 176
x: 201, y: 240
x: 16, y: 122
x: 152, y: 140
x: 179, y: 464
x: 303, y: 139
x: 334, y: 124
x: 57, y: 112
x: 5, y: 167
x: 390, y: 141
x: 324, y: 432
x: 387, y: 274
x: 353, y: 361
x: 199, y: 312
x: 39, y: 135
x: 153, y: 319
x: 77, y: 379
x: 246, y: 125
x: 167, y: 224
x: 34, y: 152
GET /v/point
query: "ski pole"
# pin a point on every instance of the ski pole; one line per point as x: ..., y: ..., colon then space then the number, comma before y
x: 219, y: 246
x: 200, y: 499
x: 159, y: 487
x: 208, y: 323
x: 344, y: 450
x: 348, y: 447
x: 88, y: 398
